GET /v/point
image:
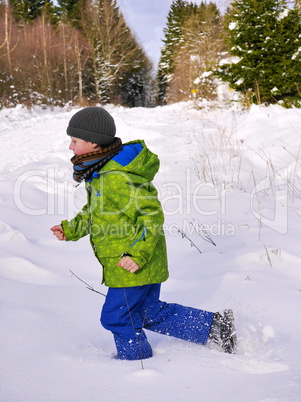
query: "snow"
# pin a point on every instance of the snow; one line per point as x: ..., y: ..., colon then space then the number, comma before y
x: 284, y: 14
x: 227, y: 176
x: 295, y: 55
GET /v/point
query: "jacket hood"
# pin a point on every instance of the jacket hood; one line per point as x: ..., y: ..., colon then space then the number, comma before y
x: 135, y: 158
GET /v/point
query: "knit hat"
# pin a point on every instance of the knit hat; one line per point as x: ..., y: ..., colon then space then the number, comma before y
x: 93, y: 124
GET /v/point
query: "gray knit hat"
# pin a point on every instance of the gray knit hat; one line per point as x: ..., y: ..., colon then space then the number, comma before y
x: 93, y: 124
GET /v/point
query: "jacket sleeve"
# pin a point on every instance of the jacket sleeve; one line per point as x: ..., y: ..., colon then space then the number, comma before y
x: 77, y: 227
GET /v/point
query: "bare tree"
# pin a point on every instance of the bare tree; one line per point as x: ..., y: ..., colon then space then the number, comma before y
x: 8, y: 25
x: 82, y: 53
x: 75, y: 52
x: 98, y: 59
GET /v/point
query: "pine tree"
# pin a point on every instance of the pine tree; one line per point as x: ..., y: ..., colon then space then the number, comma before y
x: 27, y: 10
x: 70, y: 10
x: 198, y: 54
x: 264, y: 37
x: 138, y: 87
x: 116, y: 57
x: 180, y: 10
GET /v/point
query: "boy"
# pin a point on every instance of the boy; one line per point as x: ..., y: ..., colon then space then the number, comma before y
x: 124, y: 219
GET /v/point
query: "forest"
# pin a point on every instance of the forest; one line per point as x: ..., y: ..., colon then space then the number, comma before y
x: 82, y: 52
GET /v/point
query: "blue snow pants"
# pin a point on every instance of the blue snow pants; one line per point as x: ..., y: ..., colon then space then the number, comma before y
x: 127, y: 311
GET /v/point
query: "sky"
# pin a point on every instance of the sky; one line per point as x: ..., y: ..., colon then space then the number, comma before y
x: 147, y: 19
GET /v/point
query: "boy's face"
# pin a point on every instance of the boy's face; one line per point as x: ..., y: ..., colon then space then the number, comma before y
x: 80, y: 147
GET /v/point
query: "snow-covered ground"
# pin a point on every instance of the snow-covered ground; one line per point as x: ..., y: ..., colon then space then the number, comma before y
x: 226, y: 176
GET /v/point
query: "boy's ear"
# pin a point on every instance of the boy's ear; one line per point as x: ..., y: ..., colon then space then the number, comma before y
x: 95, y: 145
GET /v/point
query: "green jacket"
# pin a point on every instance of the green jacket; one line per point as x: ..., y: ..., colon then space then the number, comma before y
x: 124, y: 216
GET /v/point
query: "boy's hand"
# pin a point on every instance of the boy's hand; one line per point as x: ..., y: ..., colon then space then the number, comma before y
x: 58, y: 232
x: 128, y: 264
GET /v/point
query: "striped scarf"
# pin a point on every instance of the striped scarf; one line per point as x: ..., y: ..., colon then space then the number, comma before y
x: 85, y: 165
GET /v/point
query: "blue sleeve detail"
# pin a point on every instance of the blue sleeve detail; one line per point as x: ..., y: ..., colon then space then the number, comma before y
x: 128, y: 153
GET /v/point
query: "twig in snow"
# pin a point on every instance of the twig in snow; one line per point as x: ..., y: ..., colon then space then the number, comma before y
x: 87, y: 285
x: 268, y: 255
x: 183, y: 234
x: 202, y: 232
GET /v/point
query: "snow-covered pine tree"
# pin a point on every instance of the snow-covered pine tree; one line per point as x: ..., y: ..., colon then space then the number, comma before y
x: 198, y: 54
x: 180, y: 10
x: 137, y: 88
x: 116, y: 57
x: 264, y: 40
